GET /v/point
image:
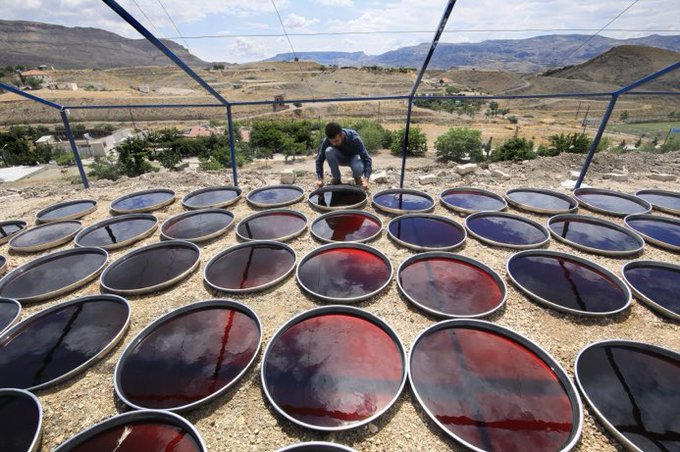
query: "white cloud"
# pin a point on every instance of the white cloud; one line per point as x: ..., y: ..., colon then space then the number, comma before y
x: 347, y: 3
x: 296, y: 22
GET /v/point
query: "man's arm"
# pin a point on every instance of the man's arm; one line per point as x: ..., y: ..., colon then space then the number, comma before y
x: 363, y: 153
x: 320, y: 158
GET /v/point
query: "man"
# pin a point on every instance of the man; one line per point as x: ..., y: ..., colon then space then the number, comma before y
x: 343, y: 147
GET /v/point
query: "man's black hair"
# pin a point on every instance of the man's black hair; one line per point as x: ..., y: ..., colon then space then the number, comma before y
x: 333, y: 129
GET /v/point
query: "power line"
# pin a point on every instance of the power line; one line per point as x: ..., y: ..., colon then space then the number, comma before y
x: 564, y: 60
x: 147, y: 18
x: 174, y: 24
x: 290, y: 43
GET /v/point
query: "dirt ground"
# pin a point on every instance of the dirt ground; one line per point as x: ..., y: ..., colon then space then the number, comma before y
x: 242, y: 419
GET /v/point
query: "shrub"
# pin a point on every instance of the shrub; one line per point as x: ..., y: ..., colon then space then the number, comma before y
x: 417, y: 142
x: 512, y: 119
x: 672, y: 144
x: 132, y: 156
x: 516, y: 149
x: 65, y: 158
x: 373, y: 134
x: 577, y: 143
x: 456, y: 143
x: 105, y: 168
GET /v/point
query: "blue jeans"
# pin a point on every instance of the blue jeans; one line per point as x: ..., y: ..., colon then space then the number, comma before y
x: 335, y: 158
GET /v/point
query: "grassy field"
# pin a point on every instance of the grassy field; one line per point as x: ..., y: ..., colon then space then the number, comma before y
x: 650, y: 129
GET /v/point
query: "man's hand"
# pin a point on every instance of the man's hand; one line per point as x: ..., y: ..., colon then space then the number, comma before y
x: 319, y: 183
x: 364, y: 184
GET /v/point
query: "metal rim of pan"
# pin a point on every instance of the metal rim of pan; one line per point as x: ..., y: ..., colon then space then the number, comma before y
x: 569, y: 387
x: 346, y: 212
x: 644, y: 298
x: 335, y: 309
x: 132, y: 416
x: 150, y: 208
x: 317, y: 446
x: 98, y: 356
x: 67, y: 217
x: 20, y: 223
x: 47, y: 245
x: 592, y: 265
x: 651, y: 191
x: 649, y: 239
x: 218, y: 205
x: 248, y: 244
x: 63, y: 290
x: 195, y: 212
x: 156, y: 287
x: 35, y: 443
x: 263, y: 213
x: 466, y: 211
x: 573, y: 202
x: 235, y: 305
x: 18, y: 306
x: 278, y: 204
x: 118, y: 219
x: 404, y: 191
x: 353, y: 245
x: 599, y: 221
x: 598, y: 414
x: 431, y: 216
x: 604, y: 191
x: 3, y: 265
x: 427, y: 255
x: 327, y: 188
x: 513, y: 216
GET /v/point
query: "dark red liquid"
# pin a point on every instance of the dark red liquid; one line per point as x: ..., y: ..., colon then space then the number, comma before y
x: 539, y: 200
x: 272, y: 226
x: 197, y: 225
x: 275, y: 196
x: 636, y: 390
x: 344, y: 273
x: 53, y: 344
x: 404, y: 201
x: 250, y: 266
x: 142, y: 201
x: 8, y: 312
x: 117, y: 232
x: 473, y: 200
x: 506, y: 230
x: 659, y: 284
x: 594, y: 235
x: 144, y: 269
x: 612, y: 203
x: 338, y: 197
x: 450, y: 286
x: 9, y: 228
x: 188, y: 358
x: 65, y: 209
x: 667, y: 201
x: 49, y: 233
x: 491, y: 391
x: 147, y: 436
x: 346, y: 227
x: 20, y: 417
x: 567, y: 283
x: 211, y: 198
x: 666, y: 231
x: 333, y: 370
x: 427, y: 232
x: 60, y: 271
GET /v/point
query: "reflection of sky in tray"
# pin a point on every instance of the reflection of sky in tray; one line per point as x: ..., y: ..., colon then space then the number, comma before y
x: 665, y: 231
x: 66, y: 210
x: 595, y: 235
x: 612, y: 203
x: 275, y: 195
x: 659, y: 284
x: 473, y: 200
x: 211, y: 198
x: 117, y: 232
x: 507, y: 230
x: 403, y: 201
x: 540, y: 200
x: 667, y: 201
x: 143, y: 200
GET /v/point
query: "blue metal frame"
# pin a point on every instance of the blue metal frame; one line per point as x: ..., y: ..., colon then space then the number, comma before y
x: 613, y: 96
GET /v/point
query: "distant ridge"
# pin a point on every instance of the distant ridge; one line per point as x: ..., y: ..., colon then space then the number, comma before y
x: 33, y: 43
x: 514, y: 55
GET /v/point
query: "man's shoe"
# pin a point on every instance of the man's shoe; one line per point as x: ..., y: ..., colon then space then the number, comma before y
x: 335, y: 182
x: 358, y: 181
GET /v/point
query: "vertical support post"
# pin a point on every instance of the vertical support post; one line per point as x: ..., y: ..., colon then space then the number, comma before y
x: 74, y: 148
x: 232, y: 147
x: 404, y: 144
x: 596, y: 140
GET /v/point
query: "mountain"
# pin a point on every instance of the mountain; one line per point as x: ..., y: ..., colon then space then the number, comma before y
x: 623, y: 65
x: 32, y: 43
x: 516, y: 55
x: 338, y: 58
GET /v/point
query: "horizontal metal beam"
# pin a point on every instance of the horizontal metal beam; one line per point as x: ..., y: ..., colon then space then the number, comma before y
x: 316, y: 100
x: 14, y: 90
x: 106, y: 107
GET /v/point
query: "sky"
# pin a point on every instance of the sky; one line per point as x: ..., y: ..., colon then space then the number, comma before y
x: 375, y: 26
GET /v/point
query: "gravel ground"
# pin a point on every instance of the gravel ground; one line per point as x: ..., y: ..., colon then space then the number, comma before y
x: 242, y: 420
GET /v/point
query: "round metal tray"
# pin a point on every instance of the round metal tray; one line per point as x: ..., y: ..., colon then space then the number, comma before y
x: 18, y: 223
x: 642, y: 297
x: 403, y: 191
x: 466, y: 211
x: 507, y: 245
x: 192, y: 213
x: 118, y: 219
x: 47, y: 245
x: 331, y: 188
x: 284, y: 238
x: 425, y: 248
x: 72, y: 216
x: 661, y: 192
x: 218, y: 205
x: 35, y: 443
x: 275, y: 204
x: 17, y: 305
x: 573, y: 202
x: 344, y: 212
x: 603, y: 191
x: 649, y: 239
x: 149, y: 208
x: 598, y: 221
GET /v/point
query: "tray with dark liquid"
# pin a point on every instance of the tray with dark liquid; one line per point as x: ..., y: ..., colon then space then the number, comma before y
x: 656, y: 229
x: 400, y: 201
x: 610, y: 202
x: 45, y: 236
x: 466, y: 200
x: 143, y: 201
x: 426, y: 232
x: 118, y: 232
x: 595, y: 235
x: 338, y: 197
x: 197, y: 225
x: 275, y: 196
x: 657, y: 284
x: 217, y: 197
x: 21, y: 426
x: 542, y: 201
x: 346, y: 226
x: 663, y: 200
x: 281, y: 225
x: 506, y: 230
x: 10, y: 310
x: 9, y: 228
x: 68, y: 210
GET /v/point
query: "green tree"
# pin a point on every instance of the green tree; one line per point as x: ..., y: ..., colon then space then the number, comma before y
x: 417, y: 142
x: 577, y: 143
x: 132, y: 156
x: 458, y: 142
x: 34, y: 83
x: 105, y: 168
x: 624, y: 115
x: 516, y: 148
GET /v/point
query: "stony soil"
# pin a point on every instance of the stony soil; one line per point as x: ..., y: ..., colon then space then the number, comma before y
x: 242, y: 419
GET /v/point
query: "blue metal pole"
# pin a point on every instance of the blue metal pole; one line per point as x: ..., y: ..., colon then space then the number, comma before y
x: 74, y: 148
x: 232, y: 146
x: 126, y: 107
x: 419, y: 78
x: 163, y: 48
x: 14, y: 90
x: 596, y: 140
